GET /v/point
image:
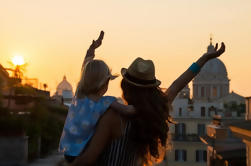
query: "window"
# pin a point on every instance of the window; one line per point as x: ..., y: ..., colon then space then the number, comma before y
x: 202, y: 92
x: 180, y: 155
x: 180, y: 129
x: 202, y: 111
x: 211, y: 109
x: 201, y: 129
x: 209, y: 113
x: 201, y: 155
x: 214, y: 92
x: 221, y: 91
x: 180, y: 111
x: 195, y: 87
x: 208, y: 91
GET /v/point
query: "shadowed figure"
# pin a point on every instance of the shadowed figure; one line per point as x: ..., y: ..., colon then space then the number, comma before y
x: 138, y: 140
x: 89, y: 104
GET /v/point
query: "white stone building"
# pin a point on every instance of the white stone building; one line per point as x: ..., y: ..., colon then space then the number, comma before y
x: 193, y: 113
x: 64, y: 92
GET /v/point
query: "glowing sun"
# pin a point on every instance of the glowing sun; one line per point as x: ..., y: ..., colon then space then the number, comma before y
x: 17, y: 60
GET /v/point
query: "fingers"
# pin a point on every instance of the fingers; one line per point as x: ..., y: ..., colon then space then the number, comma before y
x: 101, y: 35
x: 98, y: 42
x: 222, y: 49
x: 216, y: 47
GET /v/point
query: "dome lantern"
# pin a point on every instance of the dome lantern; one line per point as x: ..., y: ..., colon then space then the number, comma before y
x: 210, y: 48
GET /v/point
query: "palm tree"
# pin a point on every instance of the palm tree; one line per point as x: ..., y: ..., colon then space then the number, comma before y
x: 17, y: 70
x: 45, y: 86
x: 17, y: 76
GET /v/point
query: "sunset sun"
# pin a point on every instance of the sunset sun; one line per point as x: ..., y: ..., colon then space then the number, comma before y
x: 17, y: 60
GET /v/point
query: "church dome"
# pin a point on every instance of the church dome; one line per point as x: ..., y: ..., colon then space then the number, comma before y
x: 212, y: 82
x: 213, y: 70
x: 214, y: 66
x: 64, y: 86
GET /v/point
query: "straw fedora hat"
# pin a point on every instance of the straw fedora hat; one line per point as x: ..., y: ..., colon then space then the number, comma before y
x: 141, y: 73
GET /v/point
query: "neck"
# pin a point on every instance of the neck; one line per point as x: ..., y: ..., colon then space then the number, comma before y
x: 94, y: 97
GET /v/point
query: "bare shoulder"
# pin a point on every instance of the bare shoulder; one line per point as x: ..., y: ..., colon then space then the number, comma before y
x: 112, y: 119
x: 111, y: 116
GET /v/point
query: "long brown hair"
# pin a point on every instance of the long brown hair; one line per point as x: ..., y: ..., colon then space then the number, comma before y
x: 149, y: 127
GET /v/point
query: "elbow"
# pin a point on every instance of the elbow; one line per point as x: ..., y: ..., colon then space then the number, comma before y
x: 85, y: 162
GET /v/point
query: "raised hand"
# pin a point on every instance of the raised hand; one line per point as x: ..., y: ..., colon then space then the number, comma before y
x: 217, y: 52
x: 188, y: 75
x: 96, y: 43
x: 91, y: 51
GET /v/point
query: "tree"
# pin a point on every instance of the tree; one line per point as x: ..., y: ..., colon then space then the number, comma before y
x: 45, y: 86
x: 1, y: 87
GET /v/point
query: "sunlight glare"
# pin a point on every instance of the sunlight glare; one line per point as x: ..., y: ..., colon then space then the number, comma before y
x: 17, y: 60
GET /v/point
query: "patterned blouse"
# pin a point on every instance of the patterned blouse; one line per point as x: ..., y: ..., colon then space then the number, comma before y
x: 80, y: 123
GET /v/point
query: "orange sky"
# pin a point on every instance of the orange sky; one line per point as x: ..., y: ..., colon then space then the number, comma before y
x: 53, y: 36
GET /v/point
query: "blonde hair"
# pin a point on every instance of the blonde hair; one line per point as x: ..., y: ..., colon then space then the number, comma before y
x: 94, y: 76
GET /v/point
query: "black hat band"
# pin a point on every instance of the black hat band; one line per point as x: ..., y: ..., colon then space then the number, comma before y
x: 138, y: 80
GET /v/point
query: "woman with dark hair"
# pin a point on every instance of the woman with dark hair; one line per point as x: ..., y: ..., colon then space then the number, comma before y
x: 124, y: 141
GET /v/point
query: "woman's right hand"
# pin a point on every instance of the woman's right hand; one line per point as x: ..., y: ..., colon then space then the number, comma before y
x: 216, y: 53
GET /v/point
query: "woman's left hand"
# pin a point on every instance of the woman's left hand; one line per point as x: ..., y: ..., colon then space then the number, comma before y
x: 216, y: 53
x: 96, y: 43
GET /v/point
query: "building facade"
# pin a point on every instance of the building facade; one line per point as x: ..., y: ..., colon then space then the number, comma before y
x: 210, y: 97
x: 243, y: 130
x: 64, y: 92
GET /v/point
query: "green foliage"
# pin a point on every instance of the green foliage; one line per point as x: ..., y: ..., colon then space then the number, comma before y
x: 24, y: 90
x: 47, y: 124
x: 1, y: 87
x: 44, y: 121
x: 234, y: 107
x: 11, y: 123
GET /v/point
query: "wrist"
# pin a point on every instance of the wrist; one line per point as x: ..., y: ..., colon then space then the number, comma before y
x: 206, y: 57
x: 90, y: 51
x: 203, y: 59
x: 195, y: 68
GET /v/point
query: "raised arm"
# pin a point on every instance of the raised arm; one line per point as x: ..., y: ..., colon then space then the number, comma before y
x: 90, y: 54
x: 191, y: 72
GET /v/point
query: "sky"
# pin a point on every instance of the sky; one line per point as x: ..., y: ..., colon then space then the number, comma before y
x: 53, y: 36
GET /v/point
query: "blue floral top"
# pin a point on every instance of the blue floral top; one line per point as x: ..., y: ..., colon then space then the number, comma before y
x: 80, y: 123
